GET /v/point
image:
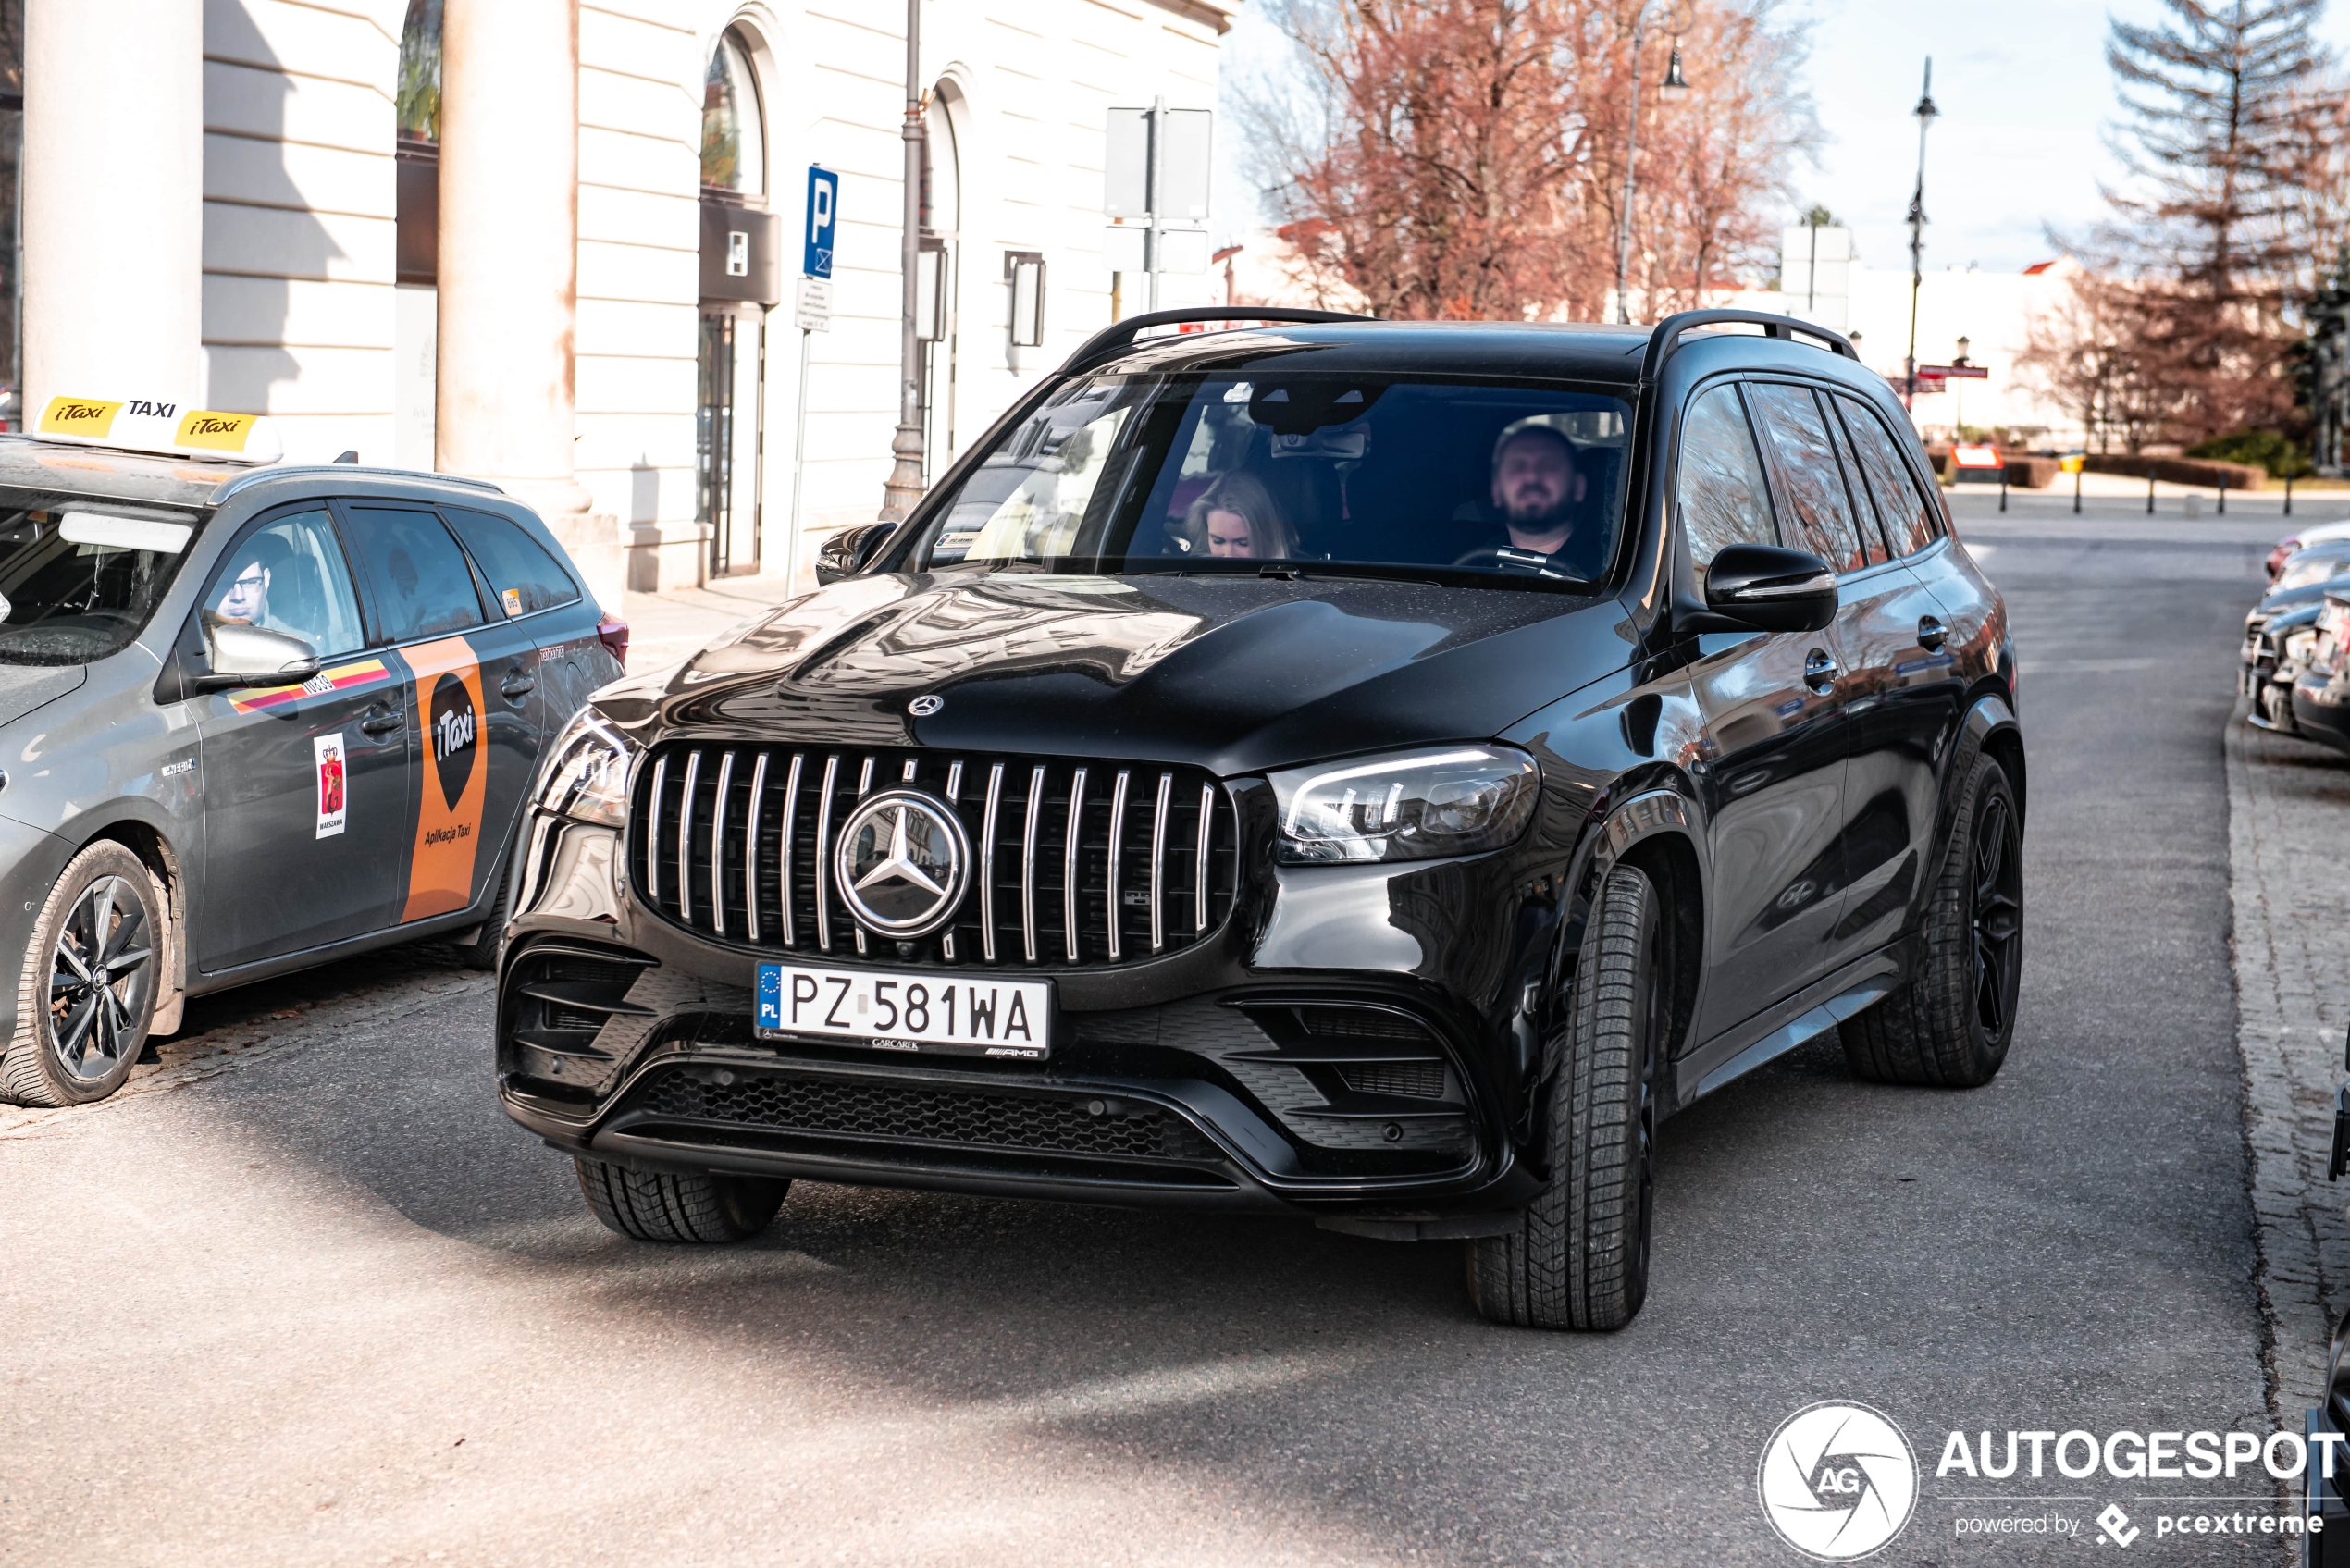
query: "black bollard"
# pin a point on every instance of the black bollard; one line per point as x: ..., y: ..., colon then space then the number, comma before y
x: 2223, y: 498
x: 2149, y: 494
x: 2288, y: 495
x: 2003, y: 490
x: 2076, y: 492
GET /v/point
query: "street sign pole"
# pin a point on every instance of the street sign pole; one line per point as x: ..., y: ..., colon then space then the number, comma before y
x: 814, y: 312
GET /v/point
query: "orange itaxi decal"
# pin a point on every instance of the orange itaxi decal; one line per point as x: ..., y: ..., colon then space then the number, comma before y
x: 456, y: 776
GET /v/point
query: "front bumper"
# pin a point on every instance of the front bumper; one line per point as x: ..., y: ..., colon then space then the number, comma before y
x: 1355, y: 1041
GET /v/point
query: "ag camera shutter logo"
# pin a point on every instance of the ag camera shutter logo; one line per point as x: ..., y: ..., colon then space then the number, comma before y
x: 1837, y: 1480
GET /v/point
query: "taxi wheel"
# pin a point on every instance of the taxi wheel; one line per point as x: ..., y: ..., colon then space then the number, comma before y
x: 88, y: 991
x: 680, y: 1205
x: 1579, y: 1258
x: 1949, y: 1025
x: 482, y: 954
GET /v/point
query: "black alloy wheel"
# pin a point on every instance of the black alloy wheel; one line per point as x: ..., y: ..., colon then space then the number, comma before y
x: 1998, y: 915
x: 1579, y: 1256
x: 90, y: 983
x: 1952, y: 1020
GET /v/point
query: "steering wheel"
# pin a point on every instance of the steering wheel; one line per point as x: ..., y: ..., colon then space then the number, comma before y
x: 1483, y: 558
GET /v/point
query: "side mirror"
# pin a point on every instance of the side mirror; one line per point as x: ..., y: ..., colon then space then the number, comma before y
x: 845, y: 552
x: 1765, y: 589
x: 245, y: 656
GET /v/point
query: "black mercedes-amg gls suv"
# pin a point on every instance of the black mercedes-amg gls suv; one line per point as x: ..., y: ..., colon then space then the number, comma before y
x: 1365, y: 771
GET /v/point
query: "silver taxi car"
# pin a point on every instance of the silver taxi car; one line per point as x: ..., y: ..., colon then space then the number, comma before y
x: 253, y: 720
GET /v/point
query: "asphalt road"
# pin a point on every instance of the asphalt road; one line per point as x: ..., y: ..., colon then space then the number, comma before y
x: 328, y: 1306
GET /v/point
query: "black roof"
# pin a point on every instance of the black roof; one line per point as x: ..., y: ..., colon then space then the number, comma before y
x: 1547, y: 350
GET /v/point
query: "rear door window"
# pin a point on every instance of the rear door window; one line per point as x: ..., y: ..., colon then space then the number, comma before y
x: 1814, y: 479
x: 1724, y: 497
x: 523, y: 577
x: 1909, y: 521
x: 1865, y: 511
x: 420, y: 583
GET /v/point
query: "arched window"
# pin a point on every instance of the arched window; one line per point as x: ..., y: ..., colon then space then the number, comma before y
x: 417, y: 106
x: 734, y: 132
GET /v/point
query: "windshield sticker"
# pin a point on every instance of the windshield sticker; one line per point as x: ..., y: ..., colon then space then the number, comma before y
x: 448, y: 858
x: 329, y: 755
x: 342, y: 677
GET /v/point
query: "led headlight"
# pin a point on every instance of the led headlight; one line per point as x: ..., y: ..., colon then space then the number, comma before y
x: 587, y: 773
x: 1412, y: 806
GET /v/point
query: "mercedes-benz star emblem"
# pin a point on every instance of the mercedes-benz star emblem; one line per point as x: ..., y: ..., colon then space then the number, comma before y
x: 902, y: 863
x: 923, y: 707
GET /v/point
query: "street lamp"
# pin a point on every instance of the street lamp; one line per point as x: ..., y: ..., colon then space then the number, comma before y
x: 1965, y: 343
x: 1673, y: 88
x: 1926, y: 111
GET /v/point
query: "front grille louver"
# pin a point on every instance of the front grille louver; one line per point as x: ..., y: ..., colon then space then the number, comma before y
x: 735, y: 841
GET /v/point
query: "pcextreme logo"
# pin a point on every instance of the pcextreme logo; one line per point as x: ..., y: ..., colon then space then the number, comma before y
x: 1837, y: 1480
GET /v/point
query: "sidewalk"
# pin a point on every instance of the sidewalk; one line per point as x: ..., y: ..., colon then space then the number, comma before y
x: 665, y: 628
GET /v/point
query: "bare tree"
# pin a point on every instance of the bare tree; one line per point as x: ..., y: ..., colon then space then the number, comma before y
x: 1462, y: 157
x: 2085, y: 353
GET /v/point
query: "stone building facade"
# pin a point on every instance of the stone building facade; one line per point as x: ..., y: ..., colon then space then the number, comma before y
x: 493, y: 236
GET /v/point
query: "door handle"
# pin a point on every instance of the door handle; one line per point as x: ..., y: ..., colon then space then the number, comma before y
x: 1930, y: 633
x: 516, y: 684
x: 383, y: 720
x: 1819, y: 671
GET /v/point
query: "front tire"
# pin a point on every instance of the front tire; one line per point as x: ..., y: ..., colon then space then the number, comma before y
x: 1949, y: 1025
x: 88, y: 989
x: 1579, y: 1258
x: 679, y: 1206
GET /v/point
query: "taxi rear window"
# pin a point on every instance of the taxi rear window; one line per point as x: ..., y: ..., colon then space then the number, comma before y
x: 1517, y: 483
x: 80, y: 574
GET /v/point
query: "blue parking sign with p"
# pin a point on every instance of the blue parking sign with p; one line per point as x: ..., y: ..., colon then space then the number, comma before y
x: 823, y: 214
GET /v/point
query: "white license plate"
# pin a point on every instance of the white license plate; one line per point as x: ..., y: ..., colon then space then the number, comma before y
x: 962, y: 1015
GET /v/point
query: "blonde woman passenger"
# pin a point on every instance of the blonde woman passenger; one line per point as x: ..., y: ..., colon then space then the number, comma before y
x: 1234, y: 519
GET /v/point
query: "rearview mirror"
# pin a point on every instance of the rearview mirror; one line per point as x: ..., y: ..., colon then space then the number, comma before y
x: 240, y: 655
x: 845, y: 552
x: 1767, y: 588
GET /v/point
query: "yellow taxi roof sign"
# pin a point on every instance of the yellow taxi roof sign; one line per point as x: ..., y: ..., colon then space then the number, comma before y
x: 159, y: 424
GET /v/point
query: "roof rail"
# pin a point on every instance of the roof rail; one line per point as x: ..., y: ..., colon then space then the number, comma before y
x: 1107, y: 342
x: 1667, y: 339
x: 251, y: 477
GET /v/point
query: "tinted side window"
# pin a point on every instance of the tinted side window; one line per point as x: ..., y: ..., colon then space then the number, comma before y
x: 1909, y: 520
x: 1814, y: 480
x: 523, y: 576
x: 422, y: 586
x: 1864, y: 511
x: 1725, y: 498
x: 290, y: 577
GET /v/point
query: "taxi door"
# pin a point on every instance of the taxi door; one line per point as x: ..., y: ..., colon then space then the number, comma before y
x: 470, y: 679
x: 306, y: 788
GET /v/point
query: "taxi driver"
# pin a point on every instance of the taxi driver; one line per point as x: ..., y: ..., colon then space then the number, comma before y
x: 1536, y: 486
x: 247, y: 598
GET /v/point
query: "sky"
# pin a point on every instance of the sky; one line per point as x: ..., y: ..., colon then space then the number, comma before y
x: 2024, y: 91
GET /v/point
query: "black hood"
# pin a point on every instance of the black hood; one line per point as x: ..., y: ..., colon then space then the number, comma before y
x: 1235, y: 674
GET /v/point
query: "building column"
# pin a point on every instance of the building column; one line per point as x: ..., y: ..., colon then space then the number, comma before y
x: 509, y: 265
x: 113, y: 191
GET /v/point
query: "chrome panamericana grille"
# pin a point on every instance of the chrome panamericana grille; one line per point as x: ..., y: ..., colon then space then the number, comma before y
x: 1080, y: 863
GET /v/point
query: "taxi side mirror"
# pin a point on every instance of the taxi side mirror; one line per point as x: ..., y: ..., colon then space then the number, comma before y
x: 245, y: 656
x: 1766, y: 589
x: 845, y: 552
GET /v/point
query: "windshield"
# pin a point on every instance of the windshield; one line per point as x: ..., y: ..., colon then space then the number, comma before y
x: 78, y: 574
x: 1405, y: 478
